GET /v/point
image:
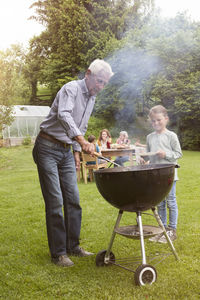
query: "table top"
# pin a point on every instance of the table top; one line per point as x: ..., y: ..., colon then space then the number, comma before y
x: 117, y: 152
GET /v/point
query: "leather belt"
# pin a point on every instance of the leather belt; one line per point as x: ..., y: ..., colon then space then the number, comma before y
x: 50, y: 138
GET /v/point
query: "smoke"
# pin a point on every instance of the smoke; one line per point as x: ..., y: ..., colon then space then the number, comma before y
x: 152, y: 53
x: 156, y: 48
x: 132, y: 67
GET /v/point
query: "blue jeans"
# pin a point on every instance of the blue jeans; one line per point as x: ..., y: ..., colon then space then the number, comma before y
x: 170, y: 201
x: 57, y: 175
x: 120, y: 160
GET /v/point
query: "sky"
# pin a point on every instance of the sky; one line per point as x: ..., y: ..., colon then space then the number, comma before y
x: 14, y: 24
x: 16, y: 28
x: 169, y: 8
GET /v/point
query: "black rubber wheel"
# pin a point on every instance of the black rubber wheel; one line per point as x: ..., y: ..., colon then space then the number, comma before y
x: 100, y: 258
x: 145, y: 274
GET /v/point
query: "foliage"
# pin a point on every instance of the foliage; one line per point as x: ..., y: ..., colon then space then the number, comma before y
x: 6, y: 86
x: 95, y: 125
x: 76, y: 33
x: 6, y: 117
x: 14, y: 87
x: 137, y: 130
x: 27, y: 272
x: 6, y: 82
x: 120, y: 100
x: 27, y: 141
x: 35, y: 62
x: 176, y: 85
x: 69, y: 37
x: 157, y: 63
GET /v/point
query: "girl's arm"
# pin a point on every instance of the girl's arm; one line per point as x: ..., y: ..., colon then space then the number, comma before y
x: 176, y: 152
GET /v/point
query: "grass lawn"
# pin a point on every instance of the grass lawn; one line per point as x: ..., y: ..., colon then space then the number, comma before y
x: 26, y: 271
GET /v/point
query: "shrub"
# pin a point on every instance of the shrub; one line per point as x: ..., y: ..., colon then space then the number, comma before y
x: 95, y: 125
x: 27, y: 140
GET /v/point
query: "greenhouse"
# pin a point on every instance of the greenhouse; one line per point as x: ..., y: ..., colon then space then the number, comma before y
x: 27, y: 119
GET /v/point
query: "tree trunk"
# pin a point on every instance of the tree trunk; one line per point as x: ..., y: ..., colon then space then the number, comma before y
x: 33, y: 98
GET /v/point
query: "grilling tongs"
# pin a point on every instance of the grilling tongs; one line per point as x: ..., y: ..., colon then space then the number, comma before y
x: 107, y: 159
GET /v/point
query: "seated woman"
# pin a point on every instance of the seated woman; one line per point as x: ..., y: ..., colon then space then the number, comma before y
x: 122, y: 140
x: 104, y: 141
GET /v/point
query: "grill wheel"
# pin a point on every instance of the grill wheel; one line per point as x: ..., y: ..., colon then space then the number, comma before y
x: 145, y: 274
x: 101, y: 256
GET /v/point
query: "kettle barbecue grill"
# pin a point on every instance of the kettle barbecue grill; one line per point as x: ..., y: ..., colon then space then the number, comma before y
x: 135, y: 189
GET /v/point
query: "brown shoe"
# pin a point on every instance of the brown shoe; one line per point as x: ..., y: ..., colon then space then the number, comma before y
x: 80, y: 252
x: 62, y: 261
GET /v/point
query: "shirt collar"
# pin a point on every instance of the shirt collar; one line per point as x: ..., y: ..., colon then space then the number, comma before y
x: 85, y: 89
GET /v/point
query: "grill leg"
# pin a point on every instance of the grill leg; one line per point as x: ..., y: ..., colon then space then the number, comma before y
x: 165, y: 233
x: 107, y: 256
x: 139, y: 222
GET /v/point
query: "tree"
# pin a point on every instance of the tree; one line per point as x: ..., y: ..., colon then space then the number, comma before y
x: 36, y: 60
x: 78, y: 31
x: 176, y: 85
x: 14, y: 88
x: 157, y: 63
x: 6, y: 117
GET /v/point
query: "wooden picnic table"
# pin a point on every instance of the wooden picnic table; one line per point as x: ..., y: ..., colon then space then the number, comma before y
x: 119, y: 152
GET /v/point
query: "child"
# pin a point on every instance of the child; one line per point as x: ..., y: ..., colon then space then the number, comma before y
x: 92, y: 139
x: 167, y: 147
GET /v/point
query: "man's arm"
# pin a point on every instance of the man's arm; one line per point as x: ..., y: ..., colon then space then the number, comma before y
x: 85, y: 145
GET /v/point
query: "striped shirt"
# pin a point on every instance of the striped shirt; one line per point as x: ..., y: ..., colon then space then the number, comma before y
x: 70, y: 113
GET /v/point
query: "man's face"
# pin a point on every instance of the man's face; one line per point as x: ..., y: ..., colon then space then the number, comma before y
x: 95, y: 83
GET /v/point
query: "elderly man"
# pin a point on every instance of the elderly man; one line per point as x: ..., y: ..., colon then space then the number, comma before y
x: 63, y: 129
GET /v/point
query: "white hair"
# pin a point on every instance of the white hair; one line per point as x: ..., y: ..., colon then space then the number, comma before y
x: 124, y: 133
x: 100, y: 66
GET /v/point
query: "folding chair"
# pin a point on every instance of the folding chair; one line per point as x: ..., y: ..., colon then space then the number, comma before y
x: 95, y: 165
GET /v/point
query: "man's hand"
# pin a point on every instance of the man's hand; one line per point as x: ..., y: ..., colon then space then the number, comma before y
x: 77, y: 160
x: 86, y: 146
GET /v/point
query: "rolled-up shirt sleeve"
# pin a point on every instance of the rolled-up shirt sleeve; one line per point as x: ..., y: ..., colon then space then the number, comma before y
x: 76, y: 146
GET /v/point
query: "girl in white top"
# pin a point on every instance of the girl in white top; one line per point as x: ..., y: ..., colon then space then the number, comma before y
x: 166, y: 145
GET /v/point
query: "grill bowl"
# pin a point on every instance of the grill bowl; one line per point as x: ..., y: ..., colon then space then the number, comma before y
x: 135, y: 188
